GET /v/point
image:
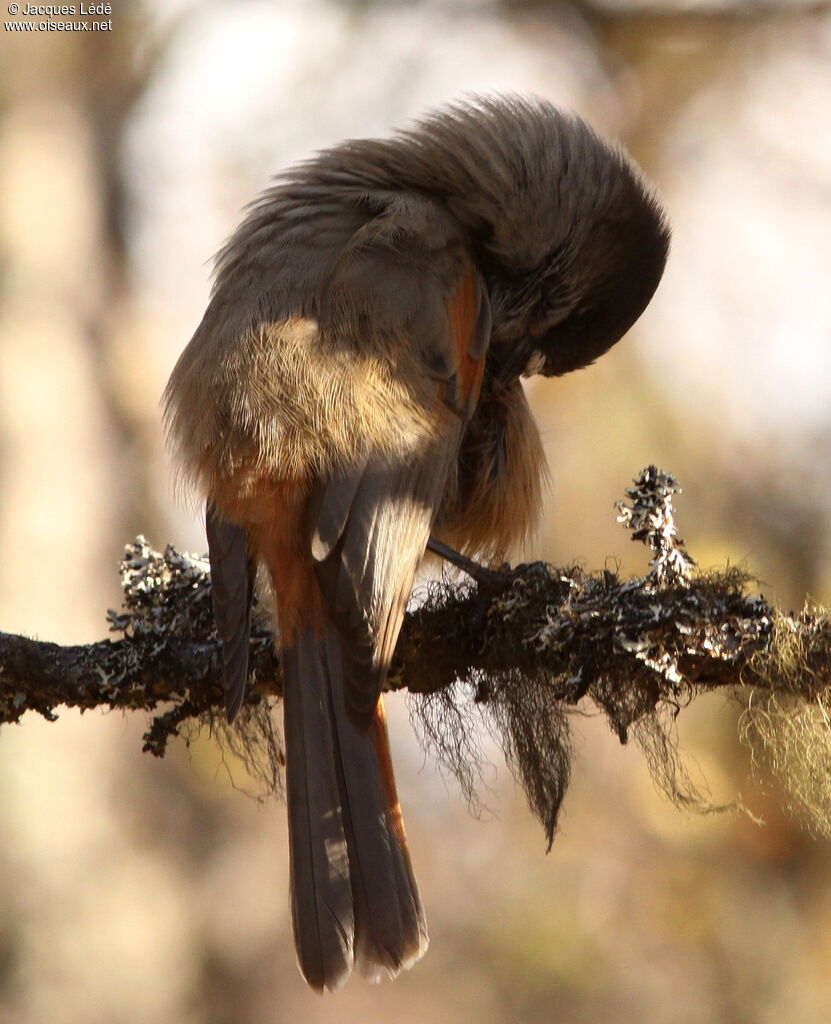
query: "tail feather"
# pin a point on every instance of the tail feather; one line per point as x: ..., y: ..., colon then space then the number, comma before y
x: 322, y: 904
x: 348, y: 782
x: 417, y: 926
x: 413, y: 937
x: 389, y: 920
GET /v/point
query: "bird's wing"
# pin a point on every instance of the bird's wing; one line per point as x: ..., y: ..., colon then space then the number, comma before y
x: 371, y: 521
x: 231, y: 588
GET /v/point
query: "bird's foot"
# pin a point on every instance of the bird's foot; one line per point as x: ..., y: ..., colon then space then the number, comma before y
x: 477, y: 572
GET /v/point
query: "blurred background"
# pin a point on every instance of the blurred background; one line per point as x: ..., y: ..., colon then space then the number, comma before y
x: 134, y: 890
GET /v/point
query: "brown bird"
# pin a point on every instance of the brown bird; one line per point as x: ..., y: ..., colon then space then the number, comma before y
x: 353, y: 391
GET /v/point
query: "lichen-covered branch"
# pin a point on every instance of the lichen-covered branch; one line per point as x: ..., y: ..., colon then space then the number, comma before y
x: 514, y: 653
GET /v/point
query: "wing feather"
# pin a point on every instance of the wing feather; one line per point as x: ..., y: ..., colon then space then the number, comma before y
x: 370, y: 524
x: 232, y: 590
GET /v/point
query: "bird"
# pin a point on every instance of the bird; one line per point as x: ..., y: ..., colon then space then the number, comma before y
x: 353, y: 396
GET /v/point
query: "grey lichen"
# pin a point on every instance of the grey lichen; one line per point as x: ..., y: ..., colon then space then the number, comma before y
x: 651, y: 518
x: 166, y: 594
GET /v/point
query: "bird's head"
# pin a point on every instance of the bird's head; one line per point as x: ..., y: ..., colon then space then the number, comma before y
x: 567, y: 235
x: 570, y: 238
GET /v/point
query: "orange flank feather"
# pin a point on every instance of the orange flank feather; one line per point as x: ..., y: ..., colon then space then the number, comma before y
x: 274, y: 514
x: 462, y: 312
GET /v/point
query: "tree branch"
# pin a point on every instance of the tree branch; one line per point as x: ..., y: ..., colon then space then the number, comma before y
x: 523, y: 648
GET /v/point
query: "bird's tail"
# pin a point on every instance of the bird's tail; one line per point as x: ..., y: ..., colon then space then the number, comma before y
x: 354, y: 895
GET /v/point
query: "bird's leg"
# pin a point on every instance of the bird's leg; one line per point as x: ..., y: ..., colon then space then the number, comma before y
x: 477, y: 572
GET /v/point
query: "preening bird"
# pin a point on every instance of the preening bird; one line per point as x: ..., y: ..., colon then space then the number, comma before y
x: 353, y: 391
